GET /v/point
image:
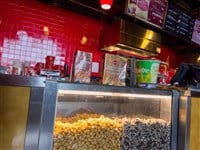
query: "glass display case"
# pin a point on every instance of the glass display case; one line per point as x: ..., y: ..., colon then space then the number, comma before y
x: 97, y: 117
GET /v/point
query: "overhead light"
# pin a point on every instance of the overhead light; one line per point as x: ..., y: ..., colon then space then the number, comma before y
x: 46, y: 30
x: 198, y: 59
x: 114, y: 94
x: 84, y: 40
x: 147, y: 37
x: 106, y: 4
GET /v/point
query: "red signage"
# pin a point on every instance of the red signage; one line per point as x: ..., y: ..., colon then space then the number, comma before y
x: 151, y: 11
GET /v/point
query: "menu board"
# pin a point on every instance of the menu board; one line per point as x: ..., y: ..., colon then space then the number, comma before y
x: 151, y: 11
x: 196, y: 32
x: 179, y: 22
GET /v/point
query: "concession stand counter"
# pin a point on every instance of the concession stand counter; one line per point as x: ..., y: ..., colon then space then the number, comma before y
x: 44, y: 114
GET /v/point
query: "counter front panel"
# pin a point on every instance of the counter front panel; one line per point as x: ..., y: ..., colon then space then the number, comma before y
x: 14, y: 104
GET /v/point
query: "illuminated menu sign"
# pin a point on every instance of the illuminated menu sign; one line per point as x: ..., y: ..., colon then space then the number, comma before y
x: 196, y: 32
x: 179, y: 22
x: 150, y: 11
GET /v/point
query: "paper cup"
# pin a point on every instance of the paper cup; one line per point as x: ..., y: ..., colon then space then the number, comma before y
x: 146, y: 71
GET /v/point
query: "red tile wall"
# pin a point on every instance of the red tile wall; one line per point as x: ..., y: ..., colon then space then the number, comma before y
x: 167, y: 55
x: 22, y: 36
x: 173, y: 58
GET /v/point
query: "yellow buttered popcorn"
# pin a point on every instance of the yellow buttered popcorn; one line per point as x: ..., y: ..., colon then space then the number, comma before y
x: 87, y: 132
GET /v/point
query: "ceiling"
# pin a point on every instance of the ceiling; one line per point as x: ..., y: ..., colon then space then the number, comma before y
x: 191, y: 6
x: 92, y: 9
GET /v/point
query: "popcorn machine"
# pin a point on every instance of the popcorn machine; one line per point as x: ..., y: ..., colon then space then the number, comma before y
x: 97, y: 117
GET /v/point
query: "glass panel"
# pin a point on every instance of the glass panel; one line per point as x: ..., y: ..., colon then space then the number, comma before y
x: 112, y: 121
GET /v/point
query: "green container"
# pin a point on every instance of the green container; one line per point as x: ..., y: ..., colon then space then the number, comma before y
x: 146, y: 71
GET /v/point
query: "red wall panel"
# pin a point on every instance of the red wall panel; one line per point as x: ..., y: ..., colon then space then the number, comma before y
x: 22, y: 36
x: 167, y: 55
x: 171, y: 57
